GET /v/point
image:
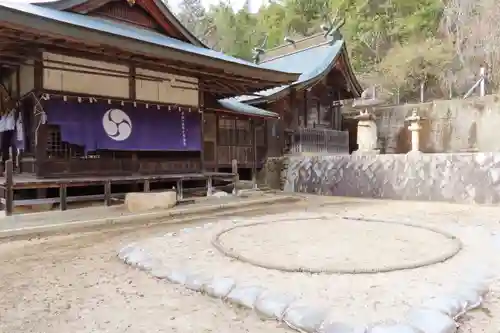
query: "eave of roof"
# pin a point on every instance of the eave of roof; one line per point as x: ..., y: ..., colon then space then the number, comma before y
x: 130, y: 38
x: 311, y: 71
x: 67, y: 4
x: 246, y: 109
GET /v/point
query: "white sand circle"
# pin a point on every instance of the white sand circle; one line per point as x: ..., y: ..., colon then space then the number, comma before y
x: 332, y: 245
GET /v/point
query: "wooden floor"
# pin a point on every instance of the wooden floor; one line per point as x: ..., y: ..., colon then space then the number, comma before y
x: 30, y: 181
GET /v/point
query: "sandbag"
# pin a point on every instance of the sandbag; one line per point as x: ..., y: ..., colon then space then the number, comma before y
x: 395, y: 328
x: 219, y: 287
x: 177, y: 276
x: 136, y: 257
x: 304, y: 318
x: 336, y: 327
x: 196, y: 282
x: 447, y: 304
x: 125, y: 251
x: 160, y: 272
x: 245, y: 295
x: 271, y: 305
x: 431, y: 321
x: 469, y: 299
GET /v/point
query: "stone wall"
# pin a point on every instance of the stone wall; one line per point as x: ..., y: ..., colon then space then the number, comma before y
x: 452, y: 125
x: 465, y: 177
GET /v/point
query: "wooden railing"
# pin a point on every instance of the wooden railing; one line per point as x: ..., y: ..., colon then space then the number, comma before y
x: 10, y: 185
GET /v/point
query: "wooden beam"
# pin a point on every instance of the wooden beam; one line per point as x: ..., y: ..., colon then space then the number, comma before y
x: 9, y: 187
x: 201, y: 106
x: 51, y: 42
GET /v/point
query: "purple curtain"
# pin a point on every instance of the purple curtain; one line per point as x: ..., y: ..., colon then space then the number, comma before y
x: 117, y: 127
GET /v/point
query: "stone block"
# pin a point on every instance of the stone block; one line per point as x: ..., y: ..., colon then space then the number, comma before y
x: 140, y: 202
x: 464, y: 178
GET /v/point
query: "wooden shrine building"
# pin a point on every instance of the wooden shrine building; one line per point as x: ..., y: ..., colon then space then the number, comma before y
x: 312, y: 101
x: 119, y: 88
x: 116, y: 87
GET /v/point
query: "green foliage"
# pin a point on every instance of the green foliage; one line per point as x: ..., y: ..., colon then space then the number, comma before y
x: 393, y: 38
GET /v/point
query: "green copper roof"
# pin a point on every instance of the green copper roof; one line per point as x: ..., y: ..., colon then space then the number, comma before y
x: 312, y: 63
x: 125, y: 36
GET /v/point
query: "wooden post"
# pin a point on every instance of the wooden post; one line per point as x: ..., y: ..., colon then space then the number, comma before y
x: 9, y: 191
x: 147, y: 186
x: 107, y: 193
x: 180, y: 195
x: 254, y: 149
x: 482, y: 86
x: 201, y: 110
x: 234, y: 167
x: 210, y: 189
x: 63, y: 195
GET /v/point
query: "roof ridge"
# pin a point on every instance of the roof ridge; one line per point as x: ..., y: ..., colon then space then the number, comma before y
x: 332, y: 41
x: 297, y: 41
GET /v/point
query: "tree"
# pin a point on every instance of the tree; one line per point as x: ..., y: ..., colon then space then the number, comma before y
x: 407, y: 66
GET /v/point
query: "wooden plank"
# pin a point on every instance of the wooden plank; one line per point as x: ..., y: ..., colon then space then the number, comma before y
x: 9, y: 191
x: 63, y: 197
x: 107, y: 193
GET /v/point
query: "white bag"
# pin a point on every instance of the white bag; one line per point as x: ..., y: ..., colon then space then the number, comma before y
x: 396, y: 328
x: 272, y: 305
x: 431, y: 321
x: 219, y: 287
x: 245, y: 295
x: 304, y: 318
x: 196, y: 282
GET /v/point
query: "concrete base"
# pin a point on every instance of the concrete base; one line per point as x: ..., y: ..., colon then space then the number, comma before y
x: 140, y: 202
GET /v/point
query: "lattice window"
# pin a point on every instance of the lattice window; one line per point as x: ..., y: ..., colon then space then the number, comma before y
x: 57, y: 148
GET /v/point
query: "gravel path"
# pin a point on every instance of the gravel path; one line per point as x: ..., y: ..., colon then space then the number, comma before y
x: 356, y: 299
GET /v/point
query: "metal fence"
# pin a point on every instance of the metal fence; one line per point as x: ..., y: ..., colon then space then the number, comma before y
x: 319, y: 141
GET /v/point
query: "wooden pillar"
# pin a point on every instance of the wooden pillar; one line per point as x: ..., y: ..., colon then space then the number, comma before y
x: 147, y: 186
x: 132, y: 82
x: 201, y: 109
x: 9, y: 188
x: 254, y: 150
x: 236, y: 176
x: 180, y: 194
x: 304, y: 108
x: 216, y: 149
x: 210, y: 189
x: 63, y: 196
x: 107, y: 193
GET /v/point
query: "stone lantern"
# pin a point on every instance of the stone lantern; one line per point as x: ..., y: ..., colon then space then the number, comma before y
x: 367, y: 128
x: 415, y: 127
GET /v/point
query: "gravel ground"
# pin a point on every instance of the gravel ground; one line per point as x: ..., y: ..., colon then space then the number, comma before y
x: 76, y: 283
x: 328, y: 244
x: 357, y: 299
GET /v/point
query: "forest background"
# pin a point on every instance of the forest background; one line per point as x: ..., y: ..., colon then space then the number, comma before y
x: 395, y: 45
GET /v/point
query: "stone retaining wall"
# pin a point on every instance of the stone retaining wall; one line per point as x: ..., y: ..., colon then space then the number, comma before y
x: 465, y: 177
